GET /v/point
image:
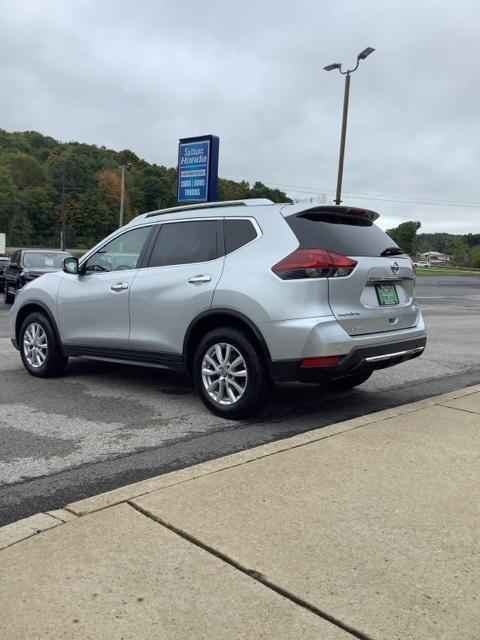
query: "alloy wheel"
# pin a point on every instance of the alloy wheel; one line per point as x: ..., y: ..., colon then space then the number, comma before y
x: 224, y: 373
x: 35, y: 345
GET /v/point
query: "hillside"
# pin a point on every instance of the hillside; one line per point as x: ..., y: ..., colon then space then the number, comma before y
x: 36, y: 169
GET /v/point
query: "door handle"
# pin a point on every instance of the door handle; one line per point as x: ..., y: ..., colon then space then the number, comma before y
x: 119, y: 286
x: 199, y: 279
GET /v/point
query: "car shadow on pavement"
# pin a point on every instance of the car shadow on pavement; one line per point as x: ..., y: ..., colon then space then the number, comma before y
x: 287, y: 398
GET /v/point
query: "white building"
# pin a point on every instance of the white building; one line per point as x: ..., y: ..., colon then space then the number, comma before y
x: 435, y: 257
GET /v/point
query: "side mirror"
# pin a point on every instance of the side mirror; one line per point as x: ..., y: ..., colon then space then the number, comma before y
x: 70, y: 265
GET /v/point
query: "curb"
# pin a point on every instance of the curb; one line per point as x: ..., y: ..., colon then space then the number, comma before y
x: 15, y: 532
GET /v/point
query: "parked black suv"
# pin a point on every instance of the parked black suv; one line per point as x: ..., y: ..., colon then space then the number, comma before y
x: 27, y: 264
x: 3, y: 265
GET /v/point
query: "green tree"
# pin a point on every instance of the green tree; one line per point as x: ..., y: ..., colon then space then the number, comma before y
x: 20, y: 230
x: 458, y: 249
x: 34, y: 168
x: 475, y: 256
x: 231, y: 190
x: 404, y: 235
x: 259, y: 190
x: 8, y: 198
x: 39, y: 205
x: 472, y: 239
x: 74, y: 170
x: 26, y: 170
x: 158, y: 193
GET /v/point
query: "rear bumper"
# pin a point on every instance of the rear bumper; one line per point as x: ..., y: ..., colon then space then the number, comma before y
x: 359, y: 360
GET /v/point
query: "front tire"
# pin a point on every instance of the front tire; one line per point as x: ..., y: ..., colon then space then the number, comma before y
x: 7, y: 297
x: 230, y: 375
x: 39, y: 348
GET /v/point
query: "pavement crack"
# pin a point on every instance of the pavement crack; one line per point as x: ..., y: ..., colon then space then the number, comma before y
x: 474, y: 413
x: 253, y: 574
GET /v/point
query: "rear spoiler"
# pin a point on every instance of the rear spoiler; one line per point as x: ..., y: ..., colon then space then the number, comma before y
x: 371, y: 216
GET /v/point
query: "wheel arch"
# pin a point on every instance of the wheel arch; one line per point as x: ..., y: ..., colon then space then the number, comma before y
x: 32, y: 307
x: 214, y: 318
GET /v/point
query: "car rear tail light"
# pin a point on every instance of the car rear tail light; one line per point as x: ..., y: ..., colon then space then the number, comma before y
x: 314, y: 263
x: 324, y: 361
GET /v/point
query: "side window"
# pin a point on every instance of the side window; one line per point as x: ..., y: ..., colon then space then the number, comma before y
x: 186, y: 243
x: 121, y: 253
x: 238, y: 233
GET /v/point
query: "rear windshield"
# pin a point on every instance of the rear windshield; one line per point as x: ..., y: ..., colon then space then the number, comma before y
x: 348, y: 235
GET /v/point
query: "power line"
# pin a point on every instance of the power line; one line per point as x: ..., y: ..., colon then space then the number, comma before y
x: 368, y: 196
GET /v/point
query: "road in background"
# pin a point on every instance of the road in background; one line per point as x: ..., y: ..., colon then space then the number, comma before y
x: 104, y: 425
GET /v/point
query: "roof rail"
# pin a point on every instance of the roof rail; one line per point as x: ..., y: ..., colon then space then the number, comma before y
x: 212, y: 205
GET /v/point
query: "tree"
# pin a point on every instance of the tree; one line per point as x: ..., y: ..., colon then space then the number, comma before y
x: 26, y: 171
x: 19, y: 230
x: 158, y: 193
x: 404, y: 235
x: 259, y: 190
x: 231, y: 190
x: 38, y: 174
x: 475, y: 256
x: 8, y: 198
x: 38, y: 204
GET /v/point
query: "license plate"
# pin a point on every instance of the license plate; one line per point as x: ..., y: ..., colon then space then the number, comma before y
x: 387, y: 294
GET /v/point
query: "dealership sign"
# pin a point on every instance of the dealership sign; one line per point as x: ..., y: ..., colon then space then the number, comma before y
x: 198, y: 169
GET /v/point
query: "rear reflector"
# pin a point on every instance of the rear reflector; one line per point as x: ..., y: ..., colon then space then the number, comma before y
x: 325, y: 361
x: 314, y: 263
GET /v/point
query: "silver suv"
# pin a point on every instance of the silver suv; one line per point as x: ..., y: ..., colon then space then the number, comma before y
x: 237, y: 294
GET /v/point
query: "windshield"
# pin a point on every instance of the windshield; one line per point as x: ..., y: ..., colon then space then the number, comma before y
x: 43, y: 259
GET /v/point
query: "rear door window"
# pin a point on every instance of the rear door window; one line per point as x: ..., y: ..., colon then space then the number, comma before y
x: 347, y: 235
x: 186, y: 243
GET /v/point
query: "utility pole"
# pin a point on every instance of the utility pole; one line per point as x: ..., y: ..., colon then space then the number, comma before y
x: 62, y: 224
x: 123, y: 168
x: 337, y: 65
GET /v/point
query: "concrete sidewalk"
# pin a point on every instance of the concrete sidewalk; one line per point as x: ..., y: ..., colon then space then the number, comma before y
x: 368, y: 528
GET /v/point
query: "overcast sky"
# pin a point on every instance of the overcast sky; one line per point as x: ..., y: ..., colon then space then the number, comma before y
x: 141, y: 74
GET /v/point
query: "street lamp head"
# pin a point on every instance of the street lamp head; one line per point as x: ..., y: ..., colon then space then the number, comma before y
x: 365, y: 53
x: 331, y: 67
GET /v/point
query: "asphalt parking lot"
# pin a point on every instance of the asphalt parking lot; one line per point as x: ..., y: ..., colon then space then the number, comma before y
x: 104, y: 425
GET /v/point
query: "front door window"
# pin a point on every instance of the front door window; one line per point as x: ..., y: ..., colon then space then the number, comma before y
x: 119, y: 254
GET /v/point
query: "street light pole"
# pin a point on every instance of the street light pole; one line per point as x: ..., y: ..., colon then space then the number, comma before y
x: 342, y: 139
x: 361, y: 56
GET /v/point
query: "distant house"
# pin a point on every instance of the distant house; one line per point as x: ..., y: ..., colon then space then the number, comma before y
x: 435, y: 257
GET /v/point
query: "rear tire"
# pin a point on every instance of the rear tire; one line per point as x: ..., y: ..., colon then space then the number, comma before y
x: 39, y: 348
x: 350, y: 381
x: 230, y: 375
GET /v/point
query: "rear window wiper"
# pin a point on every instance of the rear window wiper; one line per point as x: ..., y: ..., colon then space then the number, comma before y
x: 392, y: 251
